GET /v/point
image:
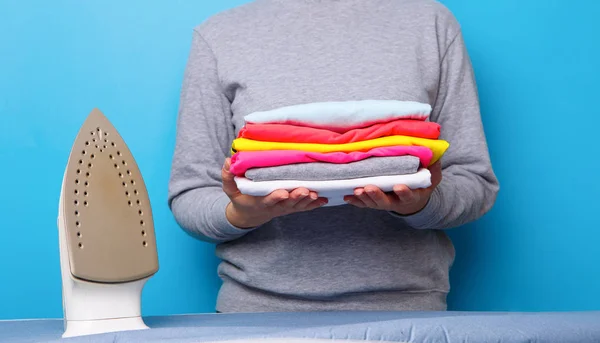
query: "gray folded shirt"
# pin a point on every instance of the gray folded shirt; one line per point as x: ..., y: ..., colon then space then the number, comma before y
x: 322, y: 171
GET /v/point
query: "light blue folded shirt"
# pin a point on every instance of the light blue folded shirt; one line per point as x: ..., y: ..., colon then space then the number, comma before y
x: 342, y: 114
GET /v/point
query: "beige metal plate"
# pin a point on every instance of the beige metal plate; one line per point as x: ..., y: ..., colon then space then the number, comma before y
x: 109, y: 226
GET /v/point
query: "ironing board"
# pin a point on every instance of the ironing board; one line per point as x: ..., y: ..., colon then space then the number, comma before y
x: 448, y: 327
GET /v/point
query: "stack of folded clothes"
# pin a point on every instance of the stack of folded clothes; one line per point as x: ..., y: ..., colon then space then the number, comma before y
x: 333, y: 148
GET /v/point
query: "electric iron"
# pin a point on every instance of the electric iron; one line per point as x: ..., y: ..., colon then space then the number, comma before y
x: 106, y: 233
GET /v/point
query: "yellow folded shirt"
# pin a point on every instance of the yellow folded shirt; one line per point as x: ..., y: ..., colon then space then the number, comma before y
x: 437, y: 146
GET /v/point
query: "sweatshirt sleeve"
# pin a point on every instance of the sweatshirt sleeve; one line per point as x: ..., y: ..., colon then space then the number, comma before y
x: 469, y: 186
x: 203, y: 140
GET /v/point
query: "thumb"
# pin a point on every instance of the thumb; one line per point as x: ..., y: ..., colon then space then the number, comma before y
x: 436, y: 173
x: 229, y: 186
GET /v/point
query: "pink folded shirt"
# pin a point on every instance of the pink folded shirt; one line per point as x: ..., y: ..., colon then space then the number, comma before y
x: 244, y: 160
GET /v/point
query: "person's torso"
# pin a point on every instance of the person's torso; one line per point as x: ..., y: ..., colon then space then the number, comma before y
x: 275, y: 53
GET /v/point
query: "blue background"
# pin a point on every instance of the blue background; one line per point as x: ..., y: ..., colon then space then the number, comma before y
x: 537, y: 67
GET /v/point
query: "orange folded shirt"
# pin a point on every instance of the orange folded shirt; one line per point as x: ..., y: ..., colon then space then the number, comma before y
x: 301, y: 134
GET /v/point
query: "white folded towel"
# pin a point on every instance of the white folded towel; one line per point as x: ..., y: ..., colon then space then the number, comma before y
x: 335, y: 190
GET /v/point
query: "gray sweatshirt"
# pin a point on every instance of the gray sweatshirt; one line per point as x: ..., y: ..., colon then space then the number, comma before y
x: 274, y: 53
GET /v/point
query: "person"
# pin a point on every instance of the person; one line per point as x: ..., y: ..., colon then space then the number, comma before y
x: 287, y: 251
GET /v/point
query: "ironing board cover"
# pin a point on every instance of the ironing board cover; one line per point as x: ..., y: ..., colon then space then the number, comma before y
x: 454, y: 327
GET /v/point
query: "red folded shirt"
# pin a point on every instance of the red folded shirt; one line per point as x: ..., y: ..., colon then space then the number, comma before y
x: 301, y: 134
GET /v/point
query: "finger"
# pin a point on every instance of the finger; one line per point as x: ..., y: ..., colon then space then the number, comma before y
x: 229, y: 186
x: 312, y: 196
x: 381, y: 200
x: 275, y: 198
x: 354, y: 201
x: 296, y: 196
x: 404, y: 193
x: 319, y: 202
x: 362, y: 196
